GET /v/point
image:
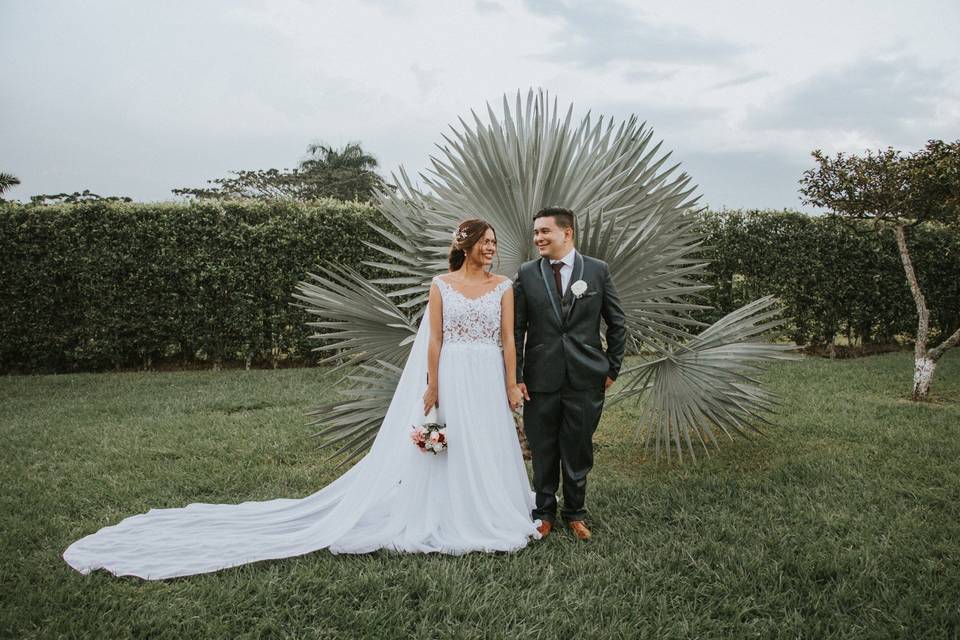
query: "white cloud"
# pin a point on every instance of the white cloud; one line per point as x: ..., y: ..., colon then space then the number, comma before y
x: 595, y: 34
x: 139, y: 99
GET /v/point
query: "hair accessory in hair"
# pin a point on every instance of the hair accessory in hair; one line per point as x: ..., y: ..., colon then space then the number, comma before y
x: 459, y: 235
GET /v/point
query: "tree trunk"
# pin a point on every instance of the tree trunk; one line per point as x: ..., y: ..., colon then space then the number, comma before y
x: 923, y: 364
x: 922, y: 376
x: 949, y: 343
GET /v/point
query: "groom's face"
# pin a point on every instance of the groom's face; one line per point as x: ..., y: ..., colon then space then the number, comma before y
x: 552, y: 240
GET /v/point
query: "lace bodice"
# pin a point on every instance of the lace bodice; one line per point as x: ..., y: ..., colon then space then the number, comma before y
x: 471, y: 320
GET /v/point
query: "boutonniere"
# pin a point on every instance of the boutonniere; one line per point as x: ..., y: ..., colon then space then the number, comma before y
x: 578, y: 288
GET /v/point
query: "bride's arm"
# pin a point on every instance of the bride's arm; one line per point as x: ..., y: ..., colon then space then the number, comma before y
x: 435, y: 307
x: 509, y: 349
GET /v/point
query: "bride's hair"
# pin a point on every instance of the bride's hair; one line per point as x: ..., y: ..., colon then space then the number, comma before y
x: 468, y: 233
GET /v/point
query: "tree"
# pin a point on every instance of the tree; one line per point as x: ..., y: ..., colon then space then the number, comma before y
x: 630, y: 213
x: 7, y: 180
x: 70, y: 198
x: 345, y: 174
x: 897, y: 192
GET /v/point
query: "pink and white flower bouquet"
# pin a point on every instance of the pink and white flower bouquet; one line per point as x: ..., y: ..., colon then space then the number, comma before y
x: 430, y: 436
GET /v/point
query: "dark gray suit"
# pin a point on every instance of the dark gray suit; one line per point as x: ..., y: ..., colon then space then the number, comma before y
x: 560, y: 359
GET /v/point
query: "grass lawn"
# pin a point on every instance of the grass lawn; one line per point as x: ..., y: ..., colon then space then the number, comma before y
x: 842, y: 523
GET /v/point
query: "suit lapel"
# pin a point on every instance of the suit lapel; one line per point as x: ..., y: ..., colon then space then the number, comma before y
x: 548, y: 282
x: 576, y: 275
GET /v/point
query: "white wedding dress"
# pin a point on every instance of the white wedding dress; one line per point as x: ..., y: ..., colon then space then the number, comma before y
x: 474, y: 496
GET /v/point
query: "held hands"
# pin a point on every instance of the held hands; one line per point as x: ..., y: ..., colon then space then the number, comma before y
x: 515, y: 397
x: 430, y: 399
x: 523, y: 390
x: 524, y: 394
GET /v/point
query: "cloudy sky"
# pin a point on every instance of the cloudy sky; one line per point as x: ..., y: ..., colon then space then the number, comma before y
x: 137, y: 98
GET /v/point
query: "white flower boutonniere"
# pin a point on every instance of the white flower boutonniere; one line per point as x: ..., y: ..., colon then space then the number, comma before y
x: 578, y: 288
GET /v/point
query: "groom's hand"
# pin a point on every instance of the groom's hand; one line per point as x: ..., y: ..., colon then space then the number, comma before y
x: 523, y: 390
x: 608, y: 383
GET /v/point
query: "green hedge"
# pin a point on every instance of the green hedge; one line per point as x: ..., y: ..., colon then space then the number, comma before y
x: 834, y: 277
x: 113, y: 285
x: 94, y: 286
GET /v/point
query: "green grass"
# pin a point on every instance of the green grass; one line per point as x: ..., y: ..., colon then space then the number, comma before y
x: 843, y: 522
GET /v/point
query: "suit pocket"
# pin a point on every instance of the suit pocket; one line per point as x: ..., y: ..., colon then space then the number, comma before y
x: 597, y: 360
x: 532, y: 354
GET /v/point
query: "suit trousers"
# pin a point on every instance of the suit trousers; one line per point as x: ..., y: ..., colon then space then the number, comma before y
x: 559, y: 426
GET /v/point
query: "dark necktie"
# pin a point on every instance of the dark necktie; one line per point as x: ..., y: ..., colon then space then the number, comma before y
x: 556, y: 266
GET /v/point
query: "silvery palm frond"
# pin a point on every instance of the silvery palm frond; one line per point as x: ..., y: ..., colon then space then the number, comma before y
x: 350, y: 425
x: 704, y: 384
x: 362, y: 322
x: 418, y: 243
x: 633, y: 211
x: 651, y: 263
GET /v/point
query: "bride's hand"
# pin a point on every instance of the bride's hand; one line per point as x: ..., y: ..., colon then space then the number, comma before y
x: 430, y: 399
x: 515, y: 397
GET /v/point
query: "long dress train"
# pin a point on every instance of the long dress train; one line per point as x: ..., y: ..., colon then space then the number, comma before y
x: 474, y: 496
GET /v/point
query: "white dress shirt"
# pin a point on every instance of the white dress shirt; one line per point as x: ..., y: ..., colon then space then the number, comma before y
x: 566, y: 271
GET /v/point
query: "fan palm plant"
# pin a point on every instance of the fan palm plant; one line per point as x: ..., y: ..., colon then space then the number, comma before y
x: 633, y: 211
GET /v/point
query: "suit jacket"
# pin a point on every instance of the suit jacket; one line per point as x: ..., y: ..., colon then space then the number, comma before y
x: 559, y: 339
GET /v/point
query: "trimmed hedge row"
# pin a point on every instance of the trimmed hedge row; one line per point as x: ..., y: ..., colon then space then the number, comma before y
x: 835, y: 278
x: 100, y: 285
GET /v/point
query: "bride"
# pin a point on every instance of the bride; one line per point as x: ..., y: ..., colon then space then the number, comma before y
x: 473, y: 496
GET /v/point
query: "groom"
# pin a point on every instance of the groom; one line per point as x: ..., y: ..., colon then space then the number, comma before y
x: 561, y: 369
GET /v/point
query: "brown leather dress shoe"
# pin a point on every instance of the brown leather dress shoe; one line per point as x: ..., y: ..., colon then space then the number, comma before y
x: 544, y: 528
x: 579, y: 529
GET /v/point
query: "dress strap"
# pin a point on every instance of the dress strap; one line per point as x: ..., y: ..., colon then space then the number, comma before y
x: 444, y: 285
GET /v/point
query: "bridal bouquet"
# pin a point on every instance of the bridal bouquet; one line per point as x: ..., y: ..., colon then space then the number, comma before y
x: 430, y: 436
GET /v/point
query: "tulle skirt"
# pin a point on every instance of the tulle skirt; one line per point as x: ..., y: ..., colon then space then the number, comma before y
x: 474, y: 496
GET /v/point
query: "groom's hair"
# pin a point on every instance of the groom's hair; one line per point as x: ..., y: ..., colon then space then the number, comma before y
x: 564, y: 217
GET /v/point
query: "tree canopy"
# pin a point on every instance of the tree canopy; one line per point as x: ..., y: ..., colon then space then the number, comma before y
x: 77, y: 196
x: 887, y: 186
x: 7, y: 180
x: 348, y: 173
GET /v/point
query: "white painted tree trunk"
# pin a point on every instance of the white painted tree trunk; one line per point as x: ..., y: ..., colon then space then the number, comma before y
x: 923, y: 363
x: 922, y: 375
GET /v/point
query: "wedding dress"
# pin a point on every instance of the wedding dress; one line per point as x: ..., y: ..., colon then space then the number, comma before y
x: 473, y: 496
